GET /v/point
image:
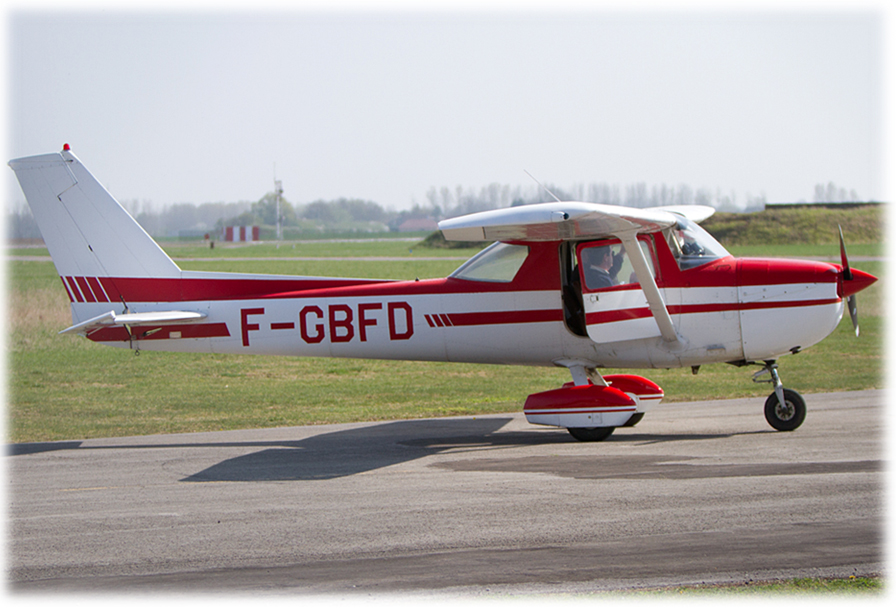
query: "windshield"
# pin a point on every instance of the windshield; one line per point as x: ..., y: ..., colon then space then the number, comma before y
x: 693, y: 246
x: 498, y: 262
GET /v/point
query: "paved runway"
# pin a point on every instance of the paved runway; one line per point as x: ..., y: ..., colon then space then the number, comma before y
x: 697, y: 492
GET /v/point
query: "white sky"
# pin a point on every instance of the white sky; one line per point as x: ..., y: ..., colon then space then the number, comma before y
x: 174, y: 106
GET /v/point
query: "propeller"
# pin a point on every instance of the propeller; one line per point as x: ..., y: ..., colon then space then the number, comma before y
x: 847, y: 276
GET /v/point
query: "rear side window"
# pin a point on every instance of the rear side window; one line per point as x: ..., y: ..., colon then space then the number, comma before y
x: 497, y: 263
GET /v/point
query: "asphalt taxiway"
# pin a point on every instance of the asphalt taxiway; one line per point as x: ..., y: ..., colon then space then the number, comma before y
x: 697, y: 492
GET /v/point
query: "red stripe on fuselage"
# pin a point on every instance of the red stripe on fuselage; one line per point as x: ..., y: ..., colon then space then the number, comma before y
x: 503, y: 317
x: 160, y: 332
x: 208, y: 289
x: 612, y: 316
x: 197, y: 290
x: 747, y: 272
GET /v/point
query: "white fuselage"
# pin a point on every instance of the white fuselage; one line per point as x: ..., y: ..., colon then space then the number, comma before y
x: 445, y: 320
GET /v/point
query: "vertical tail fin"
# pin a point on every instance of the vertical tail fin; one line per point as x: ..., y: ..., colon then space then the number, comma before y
x: 88, y: 233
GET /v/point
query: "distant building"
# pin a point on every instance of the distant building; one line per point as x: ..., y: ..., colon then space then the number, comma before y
x: 421, y: 224
x: 242, y: 233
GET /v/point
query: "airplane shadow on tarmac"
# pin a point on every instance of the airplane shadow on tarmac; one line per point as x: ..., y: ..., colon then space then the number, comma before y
x: 353, y: 451
x: 356, y: 450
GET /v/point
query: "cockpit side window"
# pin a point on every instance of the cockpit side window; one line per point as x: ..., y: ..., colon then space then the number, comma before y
x: 497, y: 263
x: 692, y: 246
x: 605, y: 264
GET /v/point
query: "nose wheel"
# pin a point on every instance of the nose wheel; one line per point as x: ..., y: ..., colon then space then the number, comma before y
x: 788, y: 416
x: 785, y: 408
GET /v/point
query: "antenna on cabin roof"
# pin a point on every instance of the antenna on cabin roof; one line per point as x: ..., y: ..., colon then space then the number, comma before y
x: 543, y: 186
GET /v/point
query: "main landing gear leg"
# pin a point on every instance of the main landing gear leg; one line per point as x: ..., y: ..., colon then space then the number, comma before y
x: 785, y: 409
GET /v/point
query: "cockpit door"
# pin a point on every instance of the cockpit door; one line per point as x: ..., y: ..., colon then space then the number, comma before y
x: 616, y: 307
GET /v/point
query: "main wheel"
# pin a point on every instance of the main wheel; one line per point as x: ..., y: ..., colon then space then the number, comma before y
x: 788, y: 417
x: 595, y: 434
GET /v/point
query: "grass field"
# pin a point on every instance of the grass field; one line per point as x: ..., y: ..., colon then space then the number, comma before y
x: 805, y: 588
x: 66, y: 387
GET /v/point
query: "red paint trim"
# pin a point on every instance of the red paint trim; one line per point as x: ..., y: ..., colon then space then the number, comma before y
x: 640, y: 386
x: 746, y: 272
x: 624, y: 287
x: 538, y: 273
x: 97, y: 289
x: 198, y: 330
x: 85, y: 289
x: 613, y: 316
x: 71, y: 298
x: 75, y: 289
x: 406, y: 288
x: 560, y: 409
x: 741, y: 306
x: 111, y: 289
x: 192, y: 290
x: 588, y: 398
x: 757, y: 271
x: 503, y: 317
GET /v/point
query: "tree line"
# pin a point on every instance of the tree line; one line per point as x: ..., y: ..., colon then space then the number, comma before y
x: 361, y: 216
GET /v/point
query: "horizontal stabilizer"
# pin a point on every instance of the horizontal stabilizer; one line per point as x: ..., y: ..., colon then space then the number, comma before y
x: 565, y: 221
x: 134, y: 319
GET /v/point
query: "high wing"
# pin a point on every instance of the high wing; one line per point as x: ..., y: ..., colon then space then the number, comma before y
x: 134, y: 319
x: 566, y: 221
x: 579, y: 221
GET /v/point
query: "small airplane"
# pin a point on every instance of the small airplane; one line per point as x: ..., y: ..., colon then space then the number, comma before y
x: 578, y: 285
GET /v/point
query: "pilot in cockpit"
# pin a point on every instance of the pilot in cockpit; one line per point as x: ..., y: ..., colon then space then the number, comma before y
x: 601, y: 267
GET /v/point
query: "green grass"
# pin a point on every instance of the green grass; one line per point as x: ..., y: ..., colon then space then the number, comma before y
x: 786, y: 226
x: 66, y: 387
x: 843, y: 588
x: 110, y: 392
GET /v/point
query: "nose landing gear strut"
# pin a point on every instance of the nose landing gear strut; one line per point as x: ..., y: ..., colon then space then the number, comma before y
x: 785, y: 408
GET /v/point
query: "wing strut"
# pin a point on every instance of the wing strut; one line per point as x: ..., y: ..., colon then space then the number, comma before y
x: 648, y: 285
